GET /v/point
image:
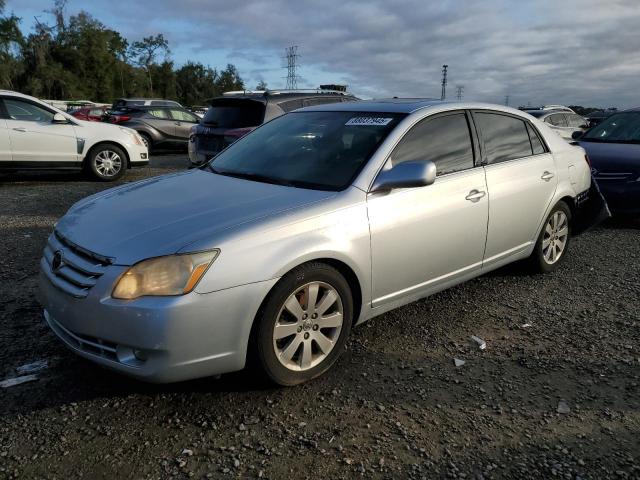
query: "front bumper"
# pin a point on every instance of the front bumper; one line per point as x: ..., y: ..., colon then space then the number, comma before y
x: 138, y: 155
x: 156, y: 339
x: 622, y: 197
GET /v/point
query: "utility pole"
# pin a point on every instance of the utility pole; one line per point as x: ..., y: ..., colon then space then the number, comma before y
x: 291, y: 55
x: 459, y: 92
x: 506, y: 100
x: 444, y: 82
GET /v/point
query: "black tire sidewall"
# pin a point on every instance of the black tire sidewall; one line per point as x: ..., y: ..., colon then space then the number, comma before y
x: 92, y: 162
x: 539, y: 262
x: 265, y: 323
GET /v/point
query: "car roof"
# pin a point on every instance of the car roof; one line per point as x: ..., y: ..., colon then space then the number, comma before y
x: 279, y: 96
x: 407, y: 105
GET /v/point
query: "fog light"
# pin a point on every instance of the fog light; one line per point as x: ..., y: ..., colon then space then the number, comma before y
x: 140, y: 355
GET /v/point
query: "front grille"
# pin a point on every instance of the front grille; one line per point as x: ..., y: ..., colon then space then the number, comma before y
x: 93, y: 345
x: 78, y: 269
x: 209, y: 143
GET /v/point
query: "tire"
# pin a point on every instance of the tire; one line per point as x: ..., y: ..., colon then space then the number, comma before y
x: 107, y: 163
x: 553, y: 241
x: 302, y: 348
x: 146, y: 139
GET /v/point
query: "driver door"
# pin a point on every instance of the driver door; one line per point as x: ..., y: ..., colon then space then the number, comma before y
x: 35, y: 138
x: 427, y: 238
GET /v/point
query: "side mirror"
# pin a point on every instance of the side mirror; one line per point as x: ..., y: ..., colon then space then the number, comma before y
x: 577, y: 134
x: 406, y: 175
x: 59, y: 118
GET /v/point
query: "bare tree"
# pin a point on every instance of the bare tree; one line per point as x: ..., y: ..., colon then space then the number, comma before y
x: 145, y: 53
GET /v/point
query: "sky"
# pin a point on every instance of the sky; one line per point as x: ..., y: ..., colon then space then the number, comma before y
x: 577, y: 52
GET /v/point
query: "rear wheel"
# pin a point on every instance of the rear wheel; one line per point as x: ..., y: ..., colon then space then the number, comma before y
x: 554, y: 240
x: 107, y: 163
x: 303, y: 327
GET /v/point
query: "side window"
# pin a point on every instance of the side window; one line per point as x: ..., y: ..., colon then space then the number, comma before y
x: 183, y: 116
x: 159, y: 113
x: 505, y: 138
x: 536, y: 144
x: 27, y: 112
x: 445, y: 140
x: 291, y: 105
x: 557, y: 120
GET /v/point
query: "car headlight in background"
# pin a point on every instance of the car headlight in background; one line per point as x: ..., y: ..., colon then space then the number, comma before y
x: 164, y: 276
x: 134, y: 135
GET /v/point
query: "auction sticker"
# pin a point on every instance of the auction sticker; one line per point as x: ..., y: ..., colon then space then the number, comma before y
x: 375, y: 121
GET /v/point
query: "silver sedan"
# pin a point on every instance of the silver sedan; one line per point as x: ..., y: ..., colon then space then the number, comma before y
x: 317, y: 221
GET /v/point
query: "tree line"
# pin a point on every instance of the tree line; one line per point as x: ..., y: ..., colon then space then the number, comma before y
x: 78, y: 57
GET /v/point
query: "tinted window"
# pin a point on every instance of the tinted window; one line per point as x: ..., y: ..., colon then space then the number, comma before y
x: 234, y: 114
x: 536, y: 143
x: 621, y: 127
x: 183, y: 116
x: 505, y: 138
x: 321, y: 150
x: 291, y: 105
x: 443, y: 140
x: 27, y: 112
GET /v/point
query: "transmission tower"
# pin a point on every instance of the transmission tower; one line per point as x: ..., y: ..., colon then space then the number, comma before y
x: 444, y: 82
x: 459, y: 92
x: 291, y: 55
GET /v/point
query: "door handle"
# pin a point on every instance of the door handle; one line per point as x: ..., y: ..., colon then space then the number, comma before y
x: 546, y: 176
x: 475, y: 195
x: 20, y: 129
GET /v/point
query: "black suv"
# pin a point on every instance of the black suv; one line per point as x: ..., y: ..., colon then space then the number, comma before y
x: 157, y: 125
x: 237, y: 113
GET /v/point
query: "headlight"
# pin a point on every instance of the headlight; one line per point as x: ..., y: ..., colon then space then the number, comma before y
x: 171, y: 275
x: 134, y: 135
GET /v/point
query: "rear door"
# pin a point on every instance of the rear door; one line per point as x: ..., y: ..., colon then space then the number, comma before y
x: 35, y: 138
x: 183, y: 121
x: 521, y: 180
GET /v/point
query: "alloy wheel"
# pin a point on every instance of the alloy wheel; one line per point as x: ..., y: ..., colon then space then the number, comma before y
x: 308, y: 326
x: 108, y: 163
x: 554, y: 241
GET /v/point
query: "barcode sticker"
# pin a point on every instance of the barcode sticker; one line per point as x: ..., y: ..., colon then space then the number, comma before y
x: 375, y: 121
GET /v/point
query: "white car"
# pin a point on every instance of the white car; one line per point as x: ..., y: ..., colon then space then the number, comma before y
x: 36, y: 135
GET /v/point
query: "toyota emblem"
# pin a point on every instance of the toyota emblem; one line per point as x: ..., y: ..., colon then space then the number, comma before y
x: 56, y: 263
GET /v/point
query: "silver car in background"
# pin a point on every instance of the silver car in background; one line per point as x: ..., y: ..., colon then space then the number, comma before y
x: 315, y: 222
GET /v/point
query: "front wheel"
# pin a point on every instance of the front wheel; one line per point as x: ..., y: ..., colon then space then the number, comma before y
x: 107, y: 163
x: 554, y: 240
x: 304, y: 324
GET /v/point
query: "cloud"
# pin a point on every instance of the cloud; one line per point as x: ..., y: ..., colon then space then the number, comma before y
x: 572, y: 52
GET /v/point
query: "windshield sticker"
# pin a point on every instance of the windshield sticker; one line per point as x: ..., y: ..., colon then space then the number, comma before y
x: 375, y: 121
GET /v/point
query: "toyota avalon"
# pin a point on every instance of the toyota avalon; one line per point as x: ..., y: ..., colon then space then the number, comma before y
x: 315, y: 222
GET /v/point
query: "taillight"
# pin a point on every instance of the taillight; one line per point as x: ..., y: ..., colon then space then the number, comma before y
x: 119, y: 118
x: 588, y: 160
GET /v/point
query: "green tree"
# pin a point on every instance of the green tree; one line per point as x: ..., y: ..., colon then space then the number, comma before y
x: 11, y: 40
x: 262, y: 85
x: 229, y: 79
x: 145, y: 54
x: 196, y: 83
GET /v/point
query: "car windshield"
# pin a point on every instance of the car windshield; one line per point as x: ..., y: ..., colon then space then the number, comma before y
x: 619, y: 128
x: 234, y: 114
x: 318, y: 150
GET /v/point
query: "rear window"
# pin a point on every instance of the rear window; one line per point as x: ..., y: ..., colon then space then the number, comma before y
x: 234, y: 114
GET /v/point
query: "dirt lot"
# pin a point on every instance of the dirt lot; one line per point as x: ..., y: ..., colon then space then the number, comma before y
x: 395, y: 406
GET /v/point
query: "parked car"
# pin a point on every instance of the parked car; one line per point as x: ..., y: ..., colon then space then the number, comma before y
x: 36, y: 135
x: 613, y: 147
x: 562, y: 122
x: 594, y: 118
x: 199, y: 110
x: 158, y: 126
x: 143, y: 102
x: 237, y: 113
x: 90, y: 114
x: 317, y: 221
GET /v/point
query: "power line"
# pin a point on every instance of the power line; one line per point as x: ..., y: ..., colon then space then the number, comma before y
x: 291, y: 54
x: 459, y: 92
x: 444, y: 82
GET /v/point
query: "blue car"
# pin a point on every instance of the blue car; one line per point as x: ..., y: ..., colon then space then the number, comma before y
x: 613, y: 147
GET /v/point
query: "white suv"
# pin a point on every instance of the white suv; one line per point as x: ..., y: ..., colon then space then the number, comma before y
x: 34, y: 134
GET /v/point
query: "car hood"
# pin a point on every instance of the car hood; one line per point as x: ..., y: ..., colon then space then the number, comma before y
x: 613, y: 156
x: 162, y: 215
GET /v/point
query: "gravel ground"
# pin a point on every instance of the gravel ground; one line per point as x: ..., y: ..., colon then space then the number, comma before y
x: 558, y: 398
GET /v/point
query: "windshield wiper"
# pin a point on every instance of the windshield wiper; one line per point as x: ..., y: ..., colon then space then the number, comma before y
x: 253, y: 176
